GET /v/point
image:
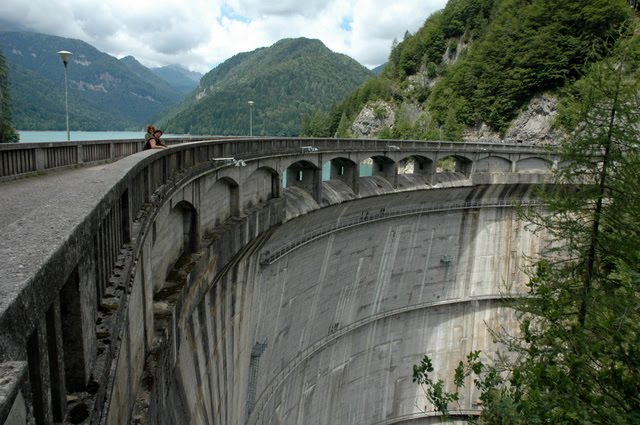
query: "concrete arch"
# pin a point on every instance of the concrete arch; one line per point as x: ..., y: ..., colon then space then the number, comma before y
x: 384, y: 167
x: 260, y: 186
x: 462, y: 164
x: 285, y: 163
x: 219, y: 200
x: 416, y: 164
x: 305, y: 175
x: 174, y: 233
x: 533, y: 165
x: 190, y: 230
x: 345, y: 170
x: 493, y: 164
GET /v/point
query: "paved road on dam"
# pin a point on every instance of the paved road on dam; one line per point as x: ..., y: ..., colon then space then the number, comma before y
x: 19, y: 198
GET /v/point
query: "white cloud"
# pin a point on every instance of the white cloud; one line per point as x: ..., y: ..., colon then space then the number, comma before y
x: 199, y: 34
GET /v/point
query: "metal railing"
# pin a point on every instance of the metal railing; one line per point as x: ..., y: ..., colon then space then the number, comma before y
x: 268, y: 257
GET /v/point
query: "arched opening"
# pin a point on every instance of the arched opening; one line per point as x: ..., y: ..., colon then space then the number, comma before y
x: 416, y: 164
x: 378, y: 174
x: 220, y: 200
x: 414, y: 171
x: 190, y: 234
x: 384, y: 167
x: 305, y: 175
x: 260, y: 186
x: 493, y: 164
x: 454, y: 164
x: 366, y: 168
x: 342, y: 169
x: 534, y: 165
x: 175, y: 235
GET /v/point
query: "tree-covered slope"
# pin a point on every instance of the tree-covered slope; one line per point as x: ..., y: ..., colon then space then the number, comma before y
x: 287, y: 80
x: 38, y: 104
x: 479, y: 62
x: 104, y: 92
x: 8, y: 132
x: 145, y: 74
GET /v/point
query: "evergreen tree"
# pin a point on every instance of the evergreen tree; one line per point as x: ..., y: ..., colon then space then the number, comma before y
x: 8, y: 134
x: 344, y: 127
x: 577, y: 357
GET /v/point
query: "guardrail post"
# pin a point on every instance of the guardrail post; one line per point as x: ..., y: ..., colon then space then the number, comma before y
x: 80, y: 155
x: 40, y: 157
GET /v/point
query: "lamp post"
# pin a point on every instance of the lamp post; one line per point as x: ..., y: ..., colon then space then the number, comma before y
x: 251, y: 102
x: 65, y: 60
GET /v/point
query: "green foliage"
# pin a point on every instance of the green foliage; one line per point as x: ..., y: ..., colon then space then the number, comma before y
x: 428, y: 45
x: 529, y: 47
x: 8, y: 134
x: 518, y: 48
x: 287, y: 81
x: 104, y: 93
x: 380, y: 88
x: 434, y: 390
x: 577, y: 357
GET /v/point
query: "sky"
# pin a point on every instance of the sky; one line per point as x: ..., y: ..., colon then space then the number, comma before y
x: 200, y: 34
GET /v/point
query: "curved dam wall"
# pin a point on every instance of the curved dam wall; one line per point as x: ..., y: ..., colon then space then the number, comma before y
x: 329, y: 332
x: 187, y: 286
x: 347, y: 316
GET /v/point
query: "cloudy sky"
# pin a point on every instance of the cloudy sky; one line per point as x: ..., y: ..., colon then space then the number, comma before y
x: 199, y: 34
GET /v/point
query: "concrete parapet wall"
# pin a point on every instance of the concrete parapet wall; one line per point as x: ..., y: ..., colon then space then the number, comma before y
x: 13, y: 384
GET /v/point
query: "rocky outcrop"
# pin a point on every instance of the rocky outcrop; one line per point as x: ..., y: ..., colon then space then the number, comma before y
x: 534, y: 125
x: 374, y: 117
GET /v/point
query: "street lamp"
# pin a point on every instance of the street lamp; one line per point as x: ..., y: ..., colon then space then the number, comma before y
x: 65, y: 59
x: 251, y: 102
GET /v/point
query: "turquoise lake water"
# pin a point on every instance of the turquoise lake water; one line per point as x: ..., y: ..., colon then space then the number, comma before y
x: 76, y: 136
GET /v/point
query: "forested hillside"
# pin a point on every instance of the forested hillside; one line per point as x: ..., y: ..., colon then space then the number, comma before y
x: 8, y: 132
x: 478, y: 63
x: 104, y: 92
x: 287, y: 80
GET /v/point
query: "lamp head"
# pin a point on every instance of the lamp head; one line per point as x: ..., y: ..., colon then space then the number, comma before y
x: 251, y: 102
x: 65, y: 56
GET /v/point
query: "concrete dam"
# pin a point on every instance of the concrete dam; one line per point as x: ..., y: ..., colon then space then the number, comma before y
x: 191, y: 286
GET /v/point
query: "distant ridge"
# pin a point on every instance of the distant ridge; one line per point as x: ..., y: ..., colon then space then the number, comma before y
x: 178, y: 77
x: 104, y: 93
x: 287, y: 80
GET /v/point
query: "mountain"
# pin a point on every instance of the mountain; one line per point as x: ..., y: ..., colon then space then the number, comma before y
x: 104, y: 93
x: 145, y: 74
x: 286, y: 81
x: 378, y: 69
x: 178, y: 77
x: 474, y: 68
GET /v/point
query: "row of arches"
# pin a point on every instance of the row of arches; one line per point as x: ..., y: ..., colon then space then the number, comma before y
x: 346, y: 169
x: 232, y: 191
